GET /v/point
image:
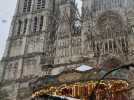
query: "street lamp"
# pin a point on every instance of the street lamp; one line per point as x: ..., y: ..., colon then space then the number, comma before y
x: 91, y: 97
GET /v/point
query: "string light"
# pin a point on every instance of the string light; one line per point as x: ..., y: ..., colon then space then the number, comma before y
x: 82, y: 90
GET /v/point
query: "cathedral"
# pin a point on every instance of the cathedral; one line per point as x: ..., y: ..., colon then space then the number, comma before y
x: 51, y: 34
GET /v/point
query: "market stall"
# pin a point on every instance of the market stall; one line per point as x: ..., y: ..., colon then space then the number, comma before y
x: 80, y: 84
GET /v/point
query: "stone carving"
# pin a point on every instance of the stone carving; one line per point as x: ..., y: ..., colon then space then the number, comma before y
x: 110, y: 21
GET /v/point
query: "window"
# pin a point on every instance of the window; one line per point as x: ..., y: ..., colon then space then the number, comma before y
x: 98, y: 48
x: 93, y: 46
x: 123, y: 43
x: 27, y: 6
x: 41, y: 22
x: 25, y: 26
x: 110, y: 45
x: 19, y: 27
x: 35, y: 25
x: 115, y: 46
x: 106, y: 47
x: 43, y: 3
x: 40, y: 4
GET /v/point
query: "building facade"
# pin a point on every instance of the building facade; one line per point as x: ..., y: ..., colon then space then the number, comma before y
x: 50, y: 32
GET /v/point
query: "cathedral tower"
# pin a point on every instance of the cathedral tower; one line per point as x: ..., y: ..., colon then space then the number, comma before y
x: 31, y: 42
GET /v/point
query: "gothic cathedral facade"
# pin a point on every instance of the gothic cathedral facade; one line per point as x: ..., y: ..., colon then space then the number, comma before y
x: 52, y: 32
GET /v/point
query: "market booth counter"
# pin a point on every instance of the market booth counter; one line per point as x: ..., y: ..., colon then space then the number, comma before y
x: 79, y: 85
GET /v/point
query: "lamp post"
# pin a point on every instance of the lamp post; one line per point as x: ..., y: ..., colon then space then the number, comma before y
x: 91, y: 97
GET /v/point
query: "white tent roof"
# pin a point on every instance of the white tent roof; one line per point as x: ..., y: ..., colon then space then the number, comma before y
x: 84, y: 68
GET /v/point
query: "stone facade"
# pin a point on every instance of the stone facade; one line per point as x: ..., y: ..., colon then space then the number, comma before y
x: 45, y: 32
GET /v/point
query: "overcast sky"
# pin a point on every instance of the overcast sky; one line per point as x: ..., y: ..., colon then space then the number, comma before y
x: 7, y: 9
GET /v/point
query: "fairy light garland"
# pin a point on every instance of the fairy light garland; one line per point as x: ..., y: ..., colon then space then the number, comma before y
x: 80, y: 90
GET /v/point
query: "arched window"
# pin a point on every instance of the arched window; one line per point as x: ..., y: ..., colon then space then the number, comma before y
x: 123, y: 42
x: 27, y: 6
x: 41, y: 22
x: 115, y: 46
x: 93, y: 46
x: 98, y: 48
x: 35, y: 24
x: 25, y: 26
x: 19, y: 27
x: 110, y: 45
x: 106, y: 46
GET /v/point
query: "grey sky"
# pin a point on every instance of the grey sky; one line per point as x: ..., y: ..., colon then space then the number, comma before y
x: 7, y: 8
